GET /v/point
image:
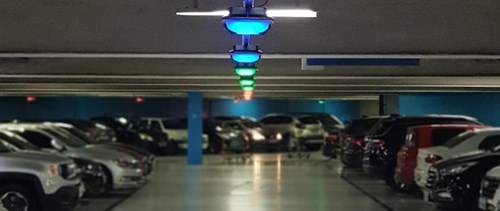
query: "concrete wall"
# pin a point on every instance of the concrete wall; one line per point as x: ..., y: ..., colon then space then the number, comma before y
x: 369, y: 108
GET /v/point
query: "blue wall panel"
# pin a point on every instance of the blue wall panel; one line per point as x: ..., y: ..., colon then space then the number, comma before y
x: 482, y: 106
x: 87, y: 107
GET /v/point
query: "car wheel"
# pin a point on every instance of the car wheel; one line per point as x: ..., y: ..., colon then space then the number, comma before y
x: 399, y: 186
x: 108, y: 177
x: 96, y: 186
x: 389, y: 178
x: 17, y: 198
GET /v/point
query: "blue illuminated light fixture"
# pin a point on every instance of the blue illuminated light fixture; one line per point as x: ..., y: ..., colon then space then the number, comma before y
x: 247, y: 21
x: 245, y: 54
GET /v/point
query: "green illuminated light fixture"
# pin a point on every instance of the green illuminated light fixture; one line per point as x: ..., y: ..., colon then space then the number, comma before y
x: 247, y: 81
x: 245, y: 71
x: 248, y: 87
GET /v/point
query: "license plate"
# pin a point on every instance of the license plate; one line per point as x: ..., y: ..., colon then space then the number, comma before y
x: 483, y: 203
x: 162, y: 144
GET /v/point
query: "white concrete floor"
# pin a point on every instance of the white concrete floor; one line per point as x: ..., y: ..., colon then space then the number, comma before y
x: 271, y: 182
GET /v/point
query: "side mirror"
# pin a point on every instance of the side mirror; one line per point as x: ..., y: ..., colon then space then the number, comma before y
x: 57, y: 146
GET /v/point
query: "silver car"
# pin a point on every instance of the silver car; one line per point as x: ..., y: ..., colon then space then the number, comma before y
x: 122, y: 170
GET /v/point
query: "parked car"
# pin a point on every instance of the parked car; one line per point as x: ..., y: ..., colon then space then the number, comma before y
x: 124, y: 134
x: 331, y: 124
x: 469, y: 142
x: 422, y: 137
x: 455, y: 183
x: 305, y: 128
x: 257, y: 136
x: 91, y: 173
x: 27, y: 188
x: 489, y: 196
x: 176, y: 130
x: 388, y: 136
x: 146, y: 159
x: 351, y: 141
x: 96, y: 131
x: 122, y: 171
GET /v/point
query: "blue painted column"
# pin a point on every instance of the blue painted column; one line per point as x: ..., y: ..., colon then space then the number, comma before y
x: 195, y: 121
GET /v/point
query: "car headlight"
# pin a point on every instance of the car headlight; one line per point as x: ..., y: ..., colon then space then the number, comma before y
x: 218, y: 128
x: 130, y: 164
x: 146, y: 137
x: 456, y: 169
x: 257, y: 136
x: 279, y: 136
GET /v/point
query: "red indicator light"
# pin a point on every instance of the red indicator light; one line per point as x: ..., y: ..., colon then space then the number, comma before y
x: 30, y: 99
x: 139, y: 99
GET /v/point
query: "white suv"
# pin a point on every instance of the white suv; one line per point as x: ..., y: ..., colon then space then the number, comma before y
x: 468, y: 142
x: 306, y: 128
x: 37, y: 181
x: 175, y: 129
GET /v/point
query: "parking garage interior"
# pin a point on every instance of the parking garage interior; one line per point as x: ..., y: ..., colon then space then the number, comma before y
x: 96, y: 79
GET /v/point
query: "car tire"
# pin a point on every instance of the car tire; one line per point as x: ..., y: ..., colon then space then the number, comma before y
x: 15, y: 197
x: 108, y: 178
x: 389, y: 178
x: 98, y: 187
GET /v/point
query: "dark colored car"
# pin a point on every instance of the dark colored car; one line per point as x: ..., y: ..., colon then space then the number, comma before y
x: 387, y: 137
x: 352, y: 140
x: 257, y: 136
x: 125, y: 134
x: 161, y: 142
x: 96, y: 131
x: 455, y: 183
x: 91, y: 173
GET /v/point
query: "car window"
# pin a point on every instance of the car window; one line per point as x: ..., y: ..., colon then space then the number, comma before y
x: 328, y: 120
x: 17, y: 141
x: 67, y: 138
x: 272, y: 120
x: 233, y: 125
x: 458, y: 139
x: 155, y: 126
x: 490, y: 142
x: 440, y: 136
x: 361, y: 126
x: 310, y: 120
x: 174, y: 124
x: 36, y: 138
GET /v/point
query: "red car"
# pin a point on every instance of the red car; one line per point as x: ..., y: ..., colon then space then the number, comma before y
x: 422, y: 137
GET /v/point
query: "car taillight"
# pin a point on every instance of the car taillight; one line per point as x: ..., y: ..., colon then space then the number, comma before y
x: 332, y: 138
x: 359, y: 141
x: 431, y: 159
x: 380, y: 143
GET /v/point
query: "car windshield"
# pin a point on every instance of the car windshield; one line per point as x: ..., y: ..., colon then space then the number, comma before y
x: 174, y: 124
x: 81, y: 135
x: 458, y: 139
x: 251, y: 124
x: 233, y: 125
x: 328, y: 120
x: 68, y: 139
x: 309, y: 120
x: 17, y: 141
x: 4, y: 148
x: 361, y: 126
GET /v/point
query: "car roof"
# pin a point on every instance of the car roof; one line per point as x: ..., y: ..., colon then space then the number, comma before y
x: 448, y: 126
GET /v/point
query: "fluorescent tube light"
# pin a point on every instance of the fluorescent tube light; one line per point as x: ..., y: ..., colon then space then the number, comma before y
x: 292, y: 13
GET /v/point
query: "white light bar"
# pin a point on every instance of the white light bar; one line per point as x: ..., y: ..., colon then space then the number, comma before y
x: 273, y: 13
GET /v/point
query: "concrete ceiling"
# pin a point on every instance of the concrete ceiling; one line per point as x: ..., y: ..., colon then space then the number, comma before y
x: 468, y: 30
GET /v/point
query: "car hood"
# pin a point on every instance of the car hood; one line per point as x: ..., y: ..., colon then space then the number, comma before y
x: 465, y: 158
x: 96, y: 153
x: 118, y: 148
x: 39, y: 156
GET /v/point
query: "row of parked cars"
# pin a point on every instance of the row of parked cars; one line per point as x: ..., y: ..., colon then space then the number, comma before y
x: 52, y: 165
x: 454, y: 161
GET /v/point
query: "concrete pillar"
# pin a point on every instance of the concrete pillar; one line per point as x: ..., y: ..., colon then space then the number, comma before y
x: 195, y: 131
x: 389, y: 104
